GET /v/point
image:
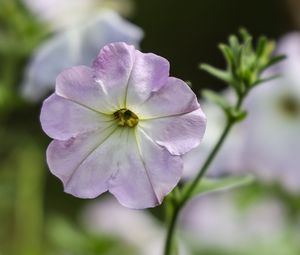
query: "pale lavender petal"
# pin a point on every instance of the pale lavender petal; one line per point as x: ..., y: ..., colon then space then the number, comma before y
x: 113, y: 67
x: 128, y: 75
x: 149, y: 73
x: 62, y: 118
x: 78, y: 84
x: 178, y: 134
x: 76, y: 162
x: 139, y: 175
x: 175, y: 97
x: 147, y: 173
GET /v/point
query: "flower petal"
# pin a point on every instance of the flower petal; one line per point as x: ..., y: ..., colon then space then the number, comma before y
x: 129, y: 75
x: 83, y: 163
x: 78, y: 84
x: 62, y: 118
x: 113, y: 68
x: 149, y: 73
x: 178, y: 134
x: 147, y: 172
x: 175, y: 97
x: 48, y: 60
x: 107, y: 27
x: 139, y: 175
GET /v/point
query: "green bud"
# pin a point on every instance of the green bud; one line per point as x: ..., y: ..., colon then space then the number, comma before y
x: 245, y: 63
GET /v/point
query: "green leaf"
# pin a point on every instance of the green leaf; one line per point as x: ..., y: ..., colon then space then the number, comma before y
x: 267, y: 51
x: 273, y: 61
x: 234, y: 42
x: 208, y: 185
x: 220, y: 74
x: 247, y: 46
x: 245, y: 34
x: 216, y: 98
x: 237, y: 116
x: 228, y: 55
x: 273, y: 77
x: 244, y: 64
x: 261, y: 45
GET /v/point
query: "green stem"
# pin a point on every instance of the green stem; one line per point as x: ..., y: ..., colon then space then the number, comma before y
x: 207, y: 163
x: 177, y: 208
x: 171, y: 231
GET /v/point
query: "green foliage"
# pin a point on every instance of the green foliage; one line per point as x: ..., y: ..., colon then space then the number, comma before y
x: 231, y: 112
x: 20, y: 33
x: 66, y: 237
x: 207, y: 185
x: 216, y: 98
x: 245, y: 63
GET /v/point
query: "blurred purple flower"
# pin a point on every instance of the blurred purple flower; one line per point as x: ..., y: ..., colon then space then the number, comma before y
x: 75, y: 46
x: 268, y: 142
x: 121, y: 126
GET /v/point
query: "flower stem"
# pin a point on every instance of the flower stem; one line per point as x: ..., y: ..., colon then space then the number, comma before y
x: 206, y: 164
x: 171, y: 231
x: 180, y: 204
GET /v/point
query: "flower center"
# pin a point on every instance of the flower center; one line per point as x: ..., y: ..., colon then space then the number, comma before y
x: 290, y: 106
x: 126, y: 117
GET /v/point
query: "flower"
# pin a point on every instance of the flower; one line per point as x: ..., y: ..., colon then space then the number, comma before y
x: 61, y: 14
x: 267, y: 143
x: 220, y: 222
x: 147, y: 235
x: 72, y: 47
x: 122, y: 126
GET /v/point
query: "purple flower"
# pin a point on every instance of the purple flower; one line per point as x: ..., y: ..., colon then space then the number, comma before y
x: 122, y: 126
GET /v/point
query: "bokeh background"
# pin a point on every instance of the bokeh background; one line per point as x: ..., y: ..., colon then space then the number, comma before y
x: 37, y: 217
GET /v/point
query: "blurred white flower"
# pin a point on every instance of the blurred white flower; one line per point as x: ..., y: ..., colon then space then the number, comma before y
x: 217, y: 221
x: 59, y: 14
x: 267, y: 143
x: 76, y: 46
x: 226, y: 161
x: 135, y: 227
x: 289, y: 45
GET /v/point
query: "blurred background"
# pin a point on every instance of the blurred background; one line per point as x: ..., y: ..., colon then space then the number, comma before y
x: 39, y: 38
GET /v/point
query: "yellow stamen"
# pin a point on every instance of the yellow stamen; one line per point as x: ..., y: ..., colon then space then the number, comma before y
x: 126, y: 117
